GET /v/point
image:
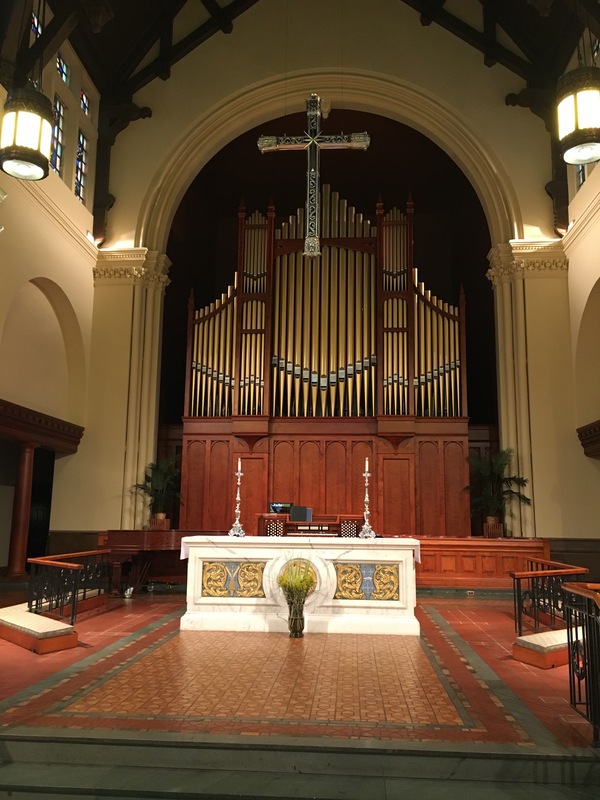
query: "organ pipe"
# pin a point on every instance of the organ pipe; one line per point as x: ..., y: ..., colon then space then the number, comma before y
x: 353, y: 332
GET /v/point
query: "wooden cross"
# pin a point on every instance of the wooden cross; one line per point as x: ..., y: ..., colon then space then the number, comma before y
x: 313, y: 141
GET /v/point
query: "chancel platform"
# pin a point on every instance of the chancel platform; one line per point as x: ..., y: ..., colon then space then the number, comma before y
x: 363, y: 585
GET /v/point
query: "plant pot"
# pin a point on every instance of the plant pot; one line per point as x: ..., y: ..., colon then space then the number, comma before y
x: 296, y: 619
x: 159, y: 522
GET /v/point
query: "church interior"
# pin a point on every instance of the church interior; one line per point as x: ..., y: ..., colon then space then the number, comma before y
x: 323, y: 261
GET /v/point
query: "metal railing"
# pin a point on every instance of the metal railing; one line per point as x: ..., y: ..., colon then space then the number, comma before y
x: 538, y: 595
x: 62, y: 581
x: 582, y: 614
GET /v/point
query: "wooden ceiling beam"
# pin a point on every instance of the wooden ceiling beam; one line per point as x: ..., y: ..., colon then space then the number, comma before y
x: 474, y: 38
x: 219, y: 15
x: 184, y: 47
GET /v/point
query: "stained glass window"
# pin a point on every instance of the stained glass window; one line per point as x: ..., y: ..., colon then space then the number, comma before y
x: 57, y: 135
x: 63, y: 68
x: 81, y: 166
x: 36, y: 25
x: 85, y: 103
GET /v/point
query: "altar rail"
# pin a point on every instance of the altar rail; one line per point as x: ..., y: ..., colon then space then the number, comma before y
x: 538, y: 592
x: 582, y: 614
x: 58, y: 584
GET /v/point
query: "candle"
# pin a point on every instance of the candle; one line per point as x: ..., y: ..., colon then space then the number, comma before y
x: 239, y: 464
x: 366, y: 464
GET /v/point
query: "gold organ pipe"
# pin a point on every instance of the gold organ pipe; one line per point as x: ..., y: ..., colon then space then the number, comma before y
x: 373, y: 333
x: 306, y: 336
x: 297, y: 351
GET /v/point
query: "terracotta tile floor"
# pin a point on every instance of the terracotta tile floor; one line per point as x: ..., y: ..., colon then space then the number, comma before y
x: 457, y: 683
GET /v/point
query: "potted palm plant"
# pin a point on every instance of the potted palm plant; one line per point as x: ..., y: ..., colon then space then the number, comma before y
x: 161, y: 487
x: 297, y: 580
x: 492, y: 487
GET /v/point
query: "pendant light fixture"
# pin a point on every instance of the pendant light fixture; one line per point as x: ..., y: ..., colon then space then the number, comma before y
x: 578, y: 106
x: 26, y: 137
x: 26, y: 133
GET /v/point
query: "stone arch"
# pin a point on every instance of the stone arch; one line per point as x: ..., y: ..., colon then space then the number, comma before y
x: 376, y: 94
x: 72, y: 339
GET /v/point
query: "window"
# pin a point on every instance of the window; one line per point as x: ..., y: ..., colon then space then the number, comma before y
x: 580, y: 175
x: 57, y: 135
x: 36, y: 25
x: 63, y: 68
x: 81, y: 166
x: 85, y: 103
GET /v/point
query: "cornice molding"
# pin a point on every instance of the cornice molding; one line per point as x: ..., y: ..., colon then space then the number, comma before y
x: 26, y: 425
x: 520, y: 260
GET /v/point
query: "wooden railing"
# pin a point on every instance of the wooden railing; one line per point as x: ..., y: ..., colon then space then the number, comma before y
x: 582, y: 615
x: 58, y: 583
x: 538, y: 594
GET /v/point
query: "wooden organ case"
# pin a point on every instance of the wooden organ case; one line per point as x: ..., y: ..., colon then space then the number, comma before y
x: 308, y: 366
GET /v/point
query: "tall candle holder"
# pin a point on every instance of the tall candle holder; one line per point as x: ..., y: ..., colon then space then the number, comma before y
x: 236, y: 529
x: 367, y: 531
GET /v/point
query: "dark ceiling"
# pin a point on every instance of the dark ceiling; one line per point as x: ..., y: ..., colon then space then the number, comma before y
x: 125, y: 44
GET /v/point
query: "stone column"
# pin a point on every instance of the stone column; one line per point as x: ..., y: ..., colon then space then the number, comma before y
x: 17, y: 554
x: 130, y: 287
x: 515, y: 268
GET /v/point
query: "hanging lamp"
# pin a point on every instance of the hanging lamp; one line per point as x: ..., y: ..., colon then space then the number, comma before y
x: 578, y: 108
x: 26, y: 137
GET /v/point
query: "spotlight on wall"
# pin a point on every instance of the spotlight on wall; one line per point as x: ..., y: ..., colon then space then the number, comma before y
x: 578, y: 107
x: 26, y: 137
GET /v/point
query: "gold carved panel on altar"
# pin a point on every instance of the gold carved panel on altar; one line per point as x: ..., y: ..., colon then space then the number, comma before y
x: 366, y: 581
x: 233, y: 578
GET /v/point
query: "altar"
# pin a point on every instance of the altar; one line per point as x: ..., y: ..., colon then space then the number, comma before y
x: 363, y: 585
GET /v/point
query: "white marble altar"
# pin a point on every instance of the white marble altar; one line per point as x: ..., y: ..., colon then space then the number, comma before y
x: 363, y: 585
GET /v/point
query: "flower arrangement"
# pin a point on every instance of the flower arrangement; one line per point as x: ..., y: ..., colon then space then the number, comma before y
x: 297, y: 579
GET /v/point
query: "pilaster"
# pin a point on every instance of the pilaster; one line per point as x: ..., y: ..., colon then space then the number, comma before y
x: 514, y: 269
x: 129, y: 286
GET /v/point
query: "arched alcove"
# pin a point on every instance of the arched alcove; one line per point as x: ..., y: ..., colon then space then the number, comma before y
x: 451, y: 233
x: 587, y: 361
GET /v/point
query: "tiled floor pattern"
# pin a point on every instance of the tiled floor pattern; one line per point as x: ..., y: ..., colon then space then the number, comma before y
x: 457, y: 683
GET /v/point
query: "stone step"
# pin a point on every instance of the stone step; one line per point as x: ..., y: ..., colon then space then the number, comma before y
x: 131, y: 783
x: 316, y: 768
x: 545, y: 650
x: 35, y: 631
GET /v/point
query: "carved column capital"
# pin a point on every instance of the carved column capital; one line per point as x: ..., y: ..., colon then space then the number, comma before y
x: 132, y: 266
x: 523, y: 259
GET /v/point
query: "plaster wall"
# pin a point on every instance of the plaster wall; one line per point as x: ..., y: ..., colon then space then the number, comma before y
x: 565, y: 482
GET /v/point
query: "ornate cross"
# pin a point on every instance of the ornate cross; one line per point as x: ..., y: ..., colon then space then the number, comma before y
x: 313, y: 141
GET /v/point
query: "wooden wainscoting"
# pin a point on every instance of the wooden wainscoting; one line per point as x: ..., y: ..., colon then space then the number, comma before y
x: 475, y: 562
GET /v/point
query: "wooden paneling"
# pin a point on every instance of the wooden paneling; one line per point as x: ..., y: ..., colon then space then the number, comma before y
x: 429, y: 517
x: 283, y: 477
x: 475, y: 563
x: 455, y: 480
x: 397, y: 484
x: 335, y: 473
x: 418, y: 471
